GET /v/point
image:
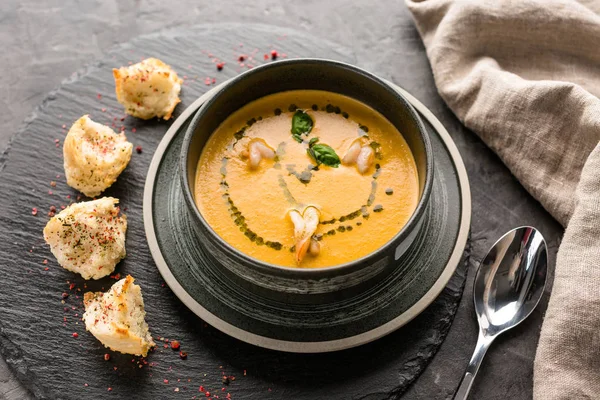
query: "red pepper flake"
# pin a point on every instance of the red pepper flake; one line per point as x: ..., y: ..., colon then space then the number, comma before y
x: 266, y: 56
x: 241, y: 58
x: 71, y: 286
x: 45, y: 262
x: 103, y: 109
x: 110, y: 389
x: 183, y: 355
x: 53, y: 183
x: 65, y: 295
x: 138, y: 149
x: 274, y: 54
x: 175, y: 345
x: 166, y: 381
x: 50, y: 192
x: 34, y: 211
x: 46, y: 269
x: 220, y: 66
x: 201, y: 388
x: 207, y: 81
x: 207, y: 394
x: 106, y: 357
x: 75, y: 335
x: 86, y: 385
x: 64, y: 127
x: 99, y: 96
x: 133, y: 130
x: 225, y: 380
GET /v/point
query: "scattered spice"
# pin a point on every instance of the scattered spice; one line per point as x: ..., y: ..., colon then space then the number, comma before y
x: 53, y: 183
x: 75, y: 335
x: 241, y: 58
x: 34, y: 211
x: 274, y: 54
x: 220, y: 66
x: 175, y: 345
x: 183, y: 355
x: 138, y: 149
x: 45, y: 262
x: 65, y: 295
x: 106, y: 357
x: 225, y: 380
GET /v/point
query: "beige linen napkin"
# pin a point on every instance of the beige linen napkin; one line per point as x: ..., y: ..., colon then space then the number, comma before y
x: 525, y: 76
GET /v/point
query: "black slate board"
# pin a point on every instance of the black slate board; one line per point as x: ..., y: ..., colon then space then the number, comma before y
x: 36, y: 328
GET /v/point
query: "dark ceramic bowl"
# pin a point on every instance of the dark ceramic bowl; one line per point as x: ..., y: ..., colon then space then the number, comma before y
x: 297, y: 284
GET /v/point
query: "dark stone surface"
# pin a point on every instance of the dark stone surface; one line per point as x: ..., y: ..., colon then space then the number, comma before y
x: 43, y: 43
x: 33, y: 161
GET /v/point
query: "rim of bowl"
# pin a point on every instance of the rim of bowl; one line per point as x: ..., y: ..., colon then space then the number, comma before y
x: 413, y: 220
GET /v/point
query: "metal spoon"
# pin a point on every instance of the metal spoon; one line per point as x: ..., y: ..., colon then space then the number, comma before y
x: 508, y: 286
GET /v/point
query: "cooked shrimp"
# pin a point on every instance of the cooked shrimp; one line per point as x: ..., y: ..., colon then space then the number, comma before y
x: 365, y: 159
x: 361, y: 154
x: 257, y: 150
x: 305, y: 226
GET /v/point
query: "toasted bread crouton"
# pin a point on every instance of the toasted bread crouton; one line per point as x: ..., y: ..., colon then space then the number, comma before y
x: 89, y: 237
x: 148, y: 89
x: 94, y: 156
x: 117, y: 318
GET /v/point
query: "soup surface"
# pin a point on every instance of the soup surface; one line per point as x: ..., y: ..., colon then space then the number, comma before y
x: 306, y: 179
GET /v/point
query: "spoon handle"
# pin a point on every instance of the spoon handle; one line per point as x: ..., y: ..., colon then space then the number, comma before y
x: 483, y: 343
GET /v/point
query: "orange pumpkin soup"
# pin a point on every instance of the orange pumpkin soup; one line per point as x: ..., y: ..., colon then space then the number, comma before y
x: 306, y: 179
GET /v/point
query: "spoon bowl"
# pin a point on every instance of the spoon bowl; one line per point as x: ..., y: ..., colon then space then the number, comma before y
x: 508, y: 286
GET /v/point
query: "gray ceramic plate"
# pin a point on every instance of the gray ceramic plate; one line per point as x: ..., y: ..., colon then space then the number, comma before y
x: 421, y: 274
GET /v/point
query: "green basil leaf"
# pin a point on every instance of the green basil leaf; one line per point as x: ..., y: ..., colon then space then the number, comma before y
x: 313, y: 141
x: 302, y: 123
x: 324, y: 154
